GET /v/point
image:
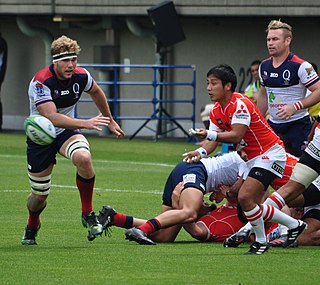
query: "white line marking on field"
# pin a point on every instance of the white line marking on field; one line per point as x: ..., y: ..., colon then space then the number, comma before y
x: 101, y: 161
x: 157, y: 192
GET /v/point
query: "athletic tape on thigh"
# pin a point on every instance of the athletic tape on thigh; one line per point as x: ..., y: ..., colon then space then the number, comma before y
x: 40, y: 185
x: 74, y: 146
x: 303, y: 174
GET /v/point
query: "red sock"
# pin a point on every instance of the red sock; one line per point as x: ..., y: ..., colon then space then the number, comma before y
x: 122, y: 220
x: 150, y: 226
x: 34, y: 218
x: 85, y: 187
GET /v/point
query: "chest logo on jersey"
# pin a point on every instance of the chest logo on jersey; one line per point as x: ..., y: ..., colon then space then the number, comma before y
x: 286, y: 76
x: 219, y: 121
x: 76, y: 90
x: 64, y: 92
x: 274, y: 75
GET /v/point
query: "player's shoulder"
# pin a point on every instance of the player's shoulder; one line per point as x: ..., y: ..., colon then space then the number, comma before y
x: 266, y: 62
x: 43, y: 75
x: 296, y: 59
x: 80, y: 70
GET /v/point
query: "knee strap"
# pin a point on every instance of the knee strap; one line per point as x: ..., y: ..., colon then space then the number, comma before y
x: 40, y: 185
x: 303, y: 174
x: 76, y: 145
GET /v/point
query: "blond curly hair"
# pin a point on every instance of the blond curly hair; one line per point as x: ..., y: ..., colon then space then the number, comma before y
x: 64, y: 44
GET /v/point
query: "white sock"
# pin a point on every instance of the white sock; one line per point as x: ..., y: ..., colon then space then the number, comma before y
x: 275, y: 200
x: 271, y: 214
x: 255, y: 218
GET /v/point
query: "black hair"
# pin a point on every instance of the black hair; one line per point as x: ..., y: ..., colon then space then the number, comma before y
x: 224, y: 73
x: 255, y: 62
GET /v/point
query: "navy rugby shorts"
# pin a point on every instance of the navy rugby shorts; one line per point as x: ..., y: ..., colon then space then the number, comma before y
x: 193, y: 175
x: 39, y: 157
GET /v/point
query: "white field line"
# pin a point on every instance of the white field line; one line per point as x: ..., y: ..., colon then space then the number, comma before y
x: 65, y: 187
x: 69, y: 189
x: 101, y: 161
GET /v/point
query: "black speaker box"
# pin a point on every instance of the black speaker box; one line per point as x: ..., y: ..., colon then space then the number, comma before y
x: 167, y: 27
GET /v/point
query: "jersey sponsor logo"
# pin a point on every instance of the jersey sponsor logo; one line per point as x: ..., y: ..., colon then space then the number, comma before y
x: 271, y: 97
x: 274, y: 74
x: 242, y: 112
x: 39, y: 89
x: 265, y: 157
x: 189, y: 178
x: 243, y: 144
x: 277, y: 106
x: 311, y: 147
x: 64, y: 92
x: 275, y: 166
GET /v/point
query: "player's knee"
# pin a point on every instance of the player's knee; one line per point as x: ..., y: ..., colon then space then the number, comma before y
x: 190, y: 215
x: 40, y: 185
x: 244, y: 198
x: 82, y: 159
x: 202, y: 236
x: 81, y: 148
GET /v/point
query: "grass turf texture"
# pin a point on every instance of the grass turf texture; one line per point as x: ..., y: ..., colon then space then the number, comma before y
x: 130, y: 176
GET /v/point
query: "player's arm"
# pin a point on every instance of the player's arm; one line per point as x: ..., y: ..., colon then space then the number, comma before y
x: 212, y: 138
x: 100, y: 100
x: 201, y: 152
x: 234, y: 136
x: 49, y: 111
x: 262, y: 100
x: 286, y: 111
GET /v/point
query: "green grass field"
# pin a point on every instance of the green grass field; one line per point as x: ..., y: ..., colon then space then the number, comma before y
x: 130, y: 176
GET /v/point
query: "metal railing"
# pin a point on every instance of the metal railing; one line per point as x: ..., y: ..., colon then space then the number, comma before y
x: 156, y: 100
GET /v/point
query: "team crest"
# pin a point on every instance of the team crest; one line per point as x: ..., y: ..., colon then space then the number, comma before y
x: 309, y: 70
x: 39, y: 89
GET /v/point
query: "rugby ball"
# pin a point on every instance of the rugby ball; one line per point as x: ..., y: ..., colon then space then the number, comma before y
x: 39, y: 129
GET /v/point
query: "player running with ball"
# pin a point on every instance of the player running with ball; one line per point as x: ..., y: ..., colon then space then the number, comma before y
x: 54, y: 93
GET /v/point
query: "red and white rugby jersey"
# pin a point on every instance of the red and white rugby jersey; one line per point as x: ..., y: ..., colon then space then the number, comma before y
x: 259, y: 136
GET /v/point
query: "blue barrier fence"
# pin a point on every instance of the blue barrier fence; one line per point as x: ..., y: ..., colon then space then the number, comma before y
x: 159, y: 113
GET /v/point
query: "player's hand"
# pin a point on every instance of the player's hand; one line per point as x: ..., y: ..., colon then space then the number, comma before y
x: 115, y: 129
x: 199, y: 133
x: 191, y: 156
x: 96, y: 122
x: 286, y: 111
x: 175, y: 197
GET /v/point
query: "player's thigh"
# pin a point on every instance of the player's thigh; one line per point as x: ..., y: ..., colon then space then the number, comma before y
x: 191, y: 198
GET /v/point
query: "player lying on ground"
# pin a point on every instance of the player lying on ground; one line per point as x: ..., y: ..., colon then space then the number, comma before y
x: 196, y: 179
